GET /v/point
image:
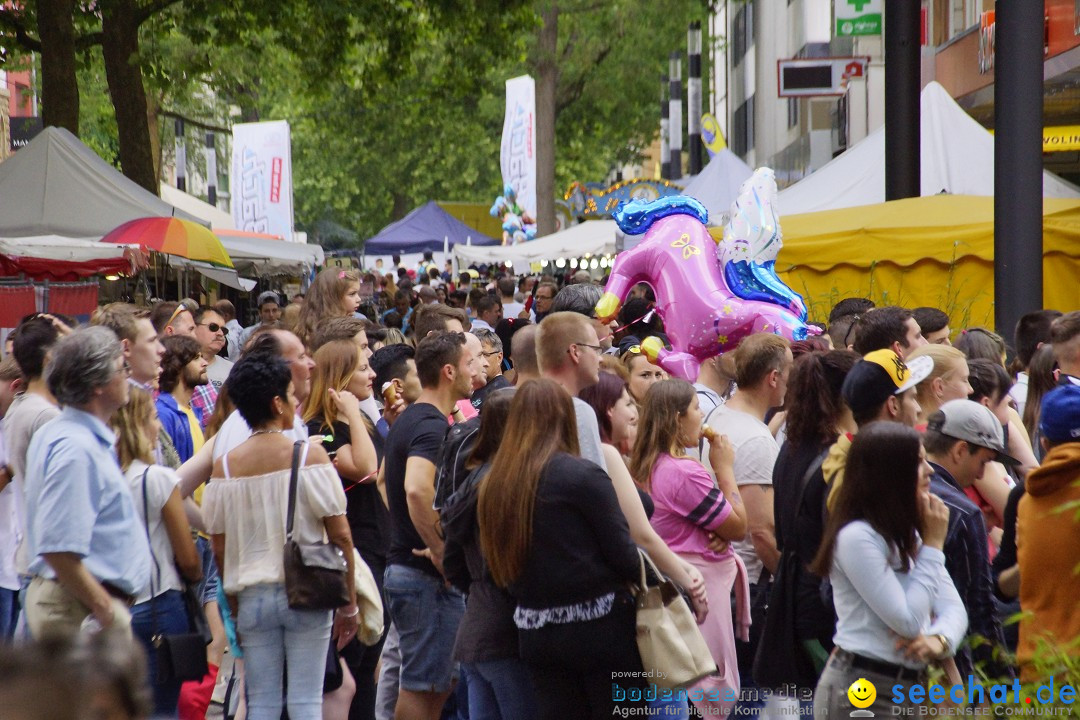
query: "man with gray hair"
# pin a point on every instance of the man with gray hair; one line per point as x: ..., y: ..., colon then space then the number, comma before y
x: 491, y: 351
x: 90, y: 555
x: 582, y: 298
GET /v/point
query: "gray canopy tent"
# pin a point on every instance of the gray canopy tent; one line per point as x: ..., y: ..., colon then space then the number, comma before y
x: 58, y: 186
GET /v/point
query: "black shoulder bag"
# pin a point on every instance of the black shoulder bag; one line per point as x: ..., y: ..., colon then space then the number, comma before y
x: 181, y: 656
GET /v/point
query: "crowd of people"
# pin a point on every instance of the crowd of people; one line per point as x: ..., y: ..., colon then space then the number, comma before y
x: 877, y: 502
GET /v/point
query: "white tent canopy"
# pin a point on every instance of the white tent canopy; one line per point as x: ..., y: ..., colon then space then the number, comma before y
x: 57, y: 247
x: 957, y: 157
x: 596, y: 237
x: 217, y: 217
x: 717, y: 186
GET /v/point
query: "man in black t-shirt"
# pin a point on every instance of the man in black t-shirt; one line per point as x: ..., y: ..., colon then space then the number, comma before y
x: 425, y: 610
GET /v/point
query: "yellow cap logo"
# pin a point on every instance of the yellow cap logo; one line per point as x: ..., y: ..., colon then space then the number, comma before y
x: 862, y: 693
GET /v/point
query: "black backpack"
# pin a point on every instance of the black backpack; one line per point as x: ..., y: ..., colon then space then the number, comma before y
x: 456, y: 448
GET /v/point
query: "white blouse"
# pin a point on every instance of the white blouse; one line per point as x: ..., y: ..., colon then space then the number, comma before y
x: 250, y: 512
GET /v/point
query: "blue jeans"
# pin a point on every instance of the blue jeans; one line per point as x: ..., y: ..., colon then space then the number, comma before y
x: 9, y: 613
x: 499, y: 690
x: 170, y: 618
x: 272, y: 635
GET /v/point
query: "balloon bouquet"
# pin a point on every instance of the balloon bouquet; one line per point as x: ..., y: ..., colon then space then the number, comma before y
x: 710, y: 293
x: 518, y: 226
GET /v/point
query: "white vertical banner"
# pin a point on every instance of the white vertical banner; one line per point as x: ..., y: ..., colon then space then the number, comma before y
x: 518, y: 157
x: 261, y: 181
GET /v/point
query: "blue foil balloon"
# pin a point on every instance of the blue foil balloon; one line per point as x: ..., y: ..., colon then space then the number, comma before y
x: 636, y: 216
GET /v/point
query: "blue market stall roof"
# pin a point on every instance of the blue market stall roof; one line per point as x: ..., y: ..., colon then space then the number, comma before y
x: 425, y: 228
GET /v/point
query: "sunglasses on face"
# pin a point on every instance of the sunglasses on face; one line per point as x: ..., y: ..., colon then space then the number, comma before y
x: 214, y: 327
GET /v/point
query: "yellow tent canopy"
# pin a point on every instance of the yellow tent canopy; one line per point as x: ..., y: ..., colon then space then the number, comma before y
x: 936, y: 250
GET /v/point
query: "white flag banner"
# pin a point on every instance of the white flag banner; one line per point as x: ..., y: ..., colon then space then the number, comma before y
x: 518, y: 158
x: 261, y: 182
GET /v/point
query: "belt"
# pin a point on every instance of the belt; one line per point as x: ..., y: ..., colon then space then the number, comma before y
x: 861, y: 662
x: 119, y: 594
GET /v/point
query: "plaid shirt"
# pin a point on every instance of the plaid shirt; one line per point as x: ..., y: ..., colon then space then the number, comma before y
x: 203, y: 400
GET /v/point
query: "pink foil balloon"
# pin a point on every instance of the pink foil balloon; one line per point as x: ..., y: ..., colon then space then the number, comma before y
x: 702, y: 317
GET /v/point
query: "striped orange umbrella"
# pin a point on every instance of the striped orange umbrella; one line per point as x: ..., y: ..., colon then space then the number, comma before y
x: 172, y: 236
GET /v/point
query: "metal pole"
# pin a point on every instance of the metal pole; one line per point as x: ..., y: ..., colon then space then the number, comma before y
x: 211, y: 169
x: 675, y: 125
x: 693, y: 97
x: 665, y: 125
x: 1018, y: 203
x: 181, y: 157
x: 902, y: 80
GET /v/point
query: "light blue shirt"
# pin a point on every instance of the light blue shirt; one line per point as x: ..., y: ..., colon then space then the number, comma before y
x: 874, y: 599
x: 77, y: 501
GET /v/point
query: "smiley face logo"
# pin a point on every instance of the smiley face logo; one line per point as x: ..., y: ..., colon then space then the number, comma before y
x: 862, y: 693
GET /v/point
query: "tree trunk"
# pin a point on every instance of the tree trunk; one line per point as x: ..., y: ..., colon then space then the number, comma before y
x: 59, y: 86
x: 547, y: 78
x: 153, y: 124
x: 120, y: 47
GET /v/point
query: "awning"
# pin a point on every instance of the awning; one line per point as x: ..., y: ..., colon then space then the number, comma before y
x: 595, y: 237
x: 259, y: 255
x: 53, y: 257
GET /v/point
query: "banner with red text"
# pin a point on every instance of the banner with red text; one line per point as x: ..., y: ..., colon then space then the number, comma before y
x: 261, y: 184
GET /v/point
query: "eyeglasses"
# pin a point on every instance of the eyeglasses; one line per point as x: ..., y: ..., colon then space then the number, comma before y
x: 126, y: 368
x: 490, y: 354
x: 599, y: 349
x: 854, y: 321
x: 214, y: 327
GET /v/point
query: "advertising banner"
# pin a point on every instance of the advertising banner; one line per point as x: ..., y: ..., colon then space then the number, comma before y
x: 518, y: 157
x: 262, y: 199
x: 859, y: 17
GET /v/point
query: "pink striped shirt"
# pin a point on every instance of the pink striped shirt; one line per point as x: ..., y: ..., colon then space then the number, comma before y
x: 688, y: 506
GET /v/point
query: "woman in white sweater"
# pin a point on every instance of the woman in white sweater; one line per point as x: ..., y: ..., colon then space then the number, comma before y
x: 896, y: 607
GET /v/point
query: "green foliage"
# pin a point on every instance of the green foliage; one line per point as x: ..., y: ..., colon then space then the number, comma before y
x: 392, y: 104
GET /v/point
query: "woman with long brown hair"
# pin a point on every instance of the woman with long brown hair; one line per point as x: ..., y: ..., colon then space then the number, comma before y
x: 552, y: 532
x: 334, y: 293
x: 690, y: 506
x: 341, y: 380
x: 896, y: 606
x: 816, y: 416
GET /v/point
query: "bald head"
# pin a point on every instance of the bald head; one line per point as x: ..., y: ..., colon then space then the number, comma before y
x: 523, y: 353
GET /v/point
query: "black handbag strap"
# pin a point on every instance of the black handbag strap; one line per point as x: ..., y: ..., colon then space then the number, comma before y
x: 294, y: 479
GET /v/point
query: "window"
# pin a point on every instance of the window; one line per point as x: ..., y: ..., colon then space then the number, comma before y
x: 738, y: 36
x: 792, y: 112
x: 742, y: 136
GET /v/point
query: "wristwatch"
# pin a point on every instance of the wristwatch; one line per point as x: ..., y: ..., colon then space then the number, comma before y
x: 946, y: 650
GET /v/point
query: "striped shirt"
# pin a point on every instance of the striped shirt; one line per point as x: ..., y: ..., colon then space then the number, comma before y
x: 688, y: 506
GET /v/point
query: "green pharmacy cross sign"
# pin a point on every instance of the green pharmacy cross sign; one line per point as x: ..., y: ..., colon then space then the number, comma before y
x: 858, y: 17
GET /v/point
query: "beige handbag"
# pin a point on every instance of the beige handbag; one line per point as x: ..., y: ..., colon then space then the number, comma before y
x: 370, y: 628
x: 673, y: 652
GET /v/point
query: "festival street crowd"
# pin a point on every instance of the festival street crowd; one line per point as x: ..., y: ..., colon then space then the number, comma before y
x: 488, y: 471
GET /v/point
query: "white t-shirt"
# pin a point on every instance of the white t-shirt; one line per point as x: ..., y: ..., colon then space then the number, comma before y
x: 589, y: 433
x: 11, y: 531
x: 28, y: 412
x: 1018, y: 392
x: 235, y: 431
x: 217, y: 371
x: 160, y: 482
x: 512, y: 309
x: 755, y: 454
